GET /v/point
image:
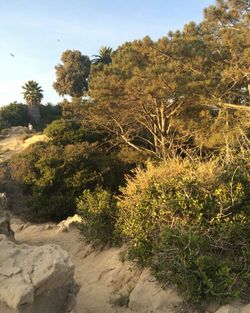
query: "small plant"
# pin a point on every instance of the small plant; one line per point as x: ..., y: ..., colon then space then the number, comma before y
x: 122, y: 300
x: 123, y: 255
x: 98, y: 210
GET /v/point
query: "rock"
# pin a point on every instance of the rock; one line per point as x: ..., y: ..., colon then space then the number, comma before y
x: 66, y: 224
x: 213, y: 307
x: 49, y: 226
x: 148, y: 296
x: 35, y: 279
x: 228, y: 309
x: 245, y: 309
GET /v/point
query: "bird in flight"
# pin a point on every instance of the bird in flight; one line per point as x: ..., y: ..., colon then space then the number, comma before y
x: 12, y: 55
x: 58, y: 40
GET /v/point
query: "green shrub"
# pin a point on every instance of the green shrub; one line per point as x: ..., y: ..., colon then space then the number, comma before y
x: 63, y: 132
x: 54, y: 207
x: 203, y: 266
x: 50, y: 171
x: 98, y: 210
x: 182, y: 218
x: 54, y: 176
x: 49, y: 113
x: 14, y: 114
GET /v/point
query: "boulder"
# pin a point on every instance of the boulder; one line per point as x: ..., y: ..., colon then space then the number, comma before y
x: 245, y: 309
x: 35, y: 279
x: 65, y: 225
x: 148, y: 296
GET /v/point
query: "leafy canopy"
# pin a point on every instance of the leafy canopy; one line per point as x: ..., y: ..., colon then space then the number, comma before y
x: 33, y: 93
x: 72, y: 75
x: 104, y: 56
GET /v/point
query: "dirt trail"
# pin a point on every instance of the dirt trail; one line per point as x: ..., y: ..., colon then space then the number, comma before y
x: 101, y: 276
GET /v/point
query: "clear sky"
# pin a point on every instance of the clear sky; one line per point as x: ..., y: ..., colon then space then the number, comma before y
x: 37, y: 32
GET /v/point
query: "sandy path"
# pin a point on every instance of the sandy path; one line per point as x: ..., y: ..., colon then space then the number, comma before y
x: 100, y: 274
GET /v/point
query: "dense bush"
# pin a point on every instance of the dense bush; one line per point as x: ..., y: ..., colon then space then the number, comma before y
x: 63, y: 132
x: 54, y: 173
x: 54, y: 176
x: 51, y: 206
x: 14, y: 114
x: 98, y: 210
x: 49, y: 113
x: 190, y: 223
x: 206, y: 263
x: 69, y: 131
x: 110, y: 164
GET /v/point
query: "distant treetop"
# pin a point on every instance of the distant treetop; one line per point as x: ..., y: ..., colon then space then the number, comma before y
x: 32, y: 93
x: 72, y: 75
x: 104, y: 56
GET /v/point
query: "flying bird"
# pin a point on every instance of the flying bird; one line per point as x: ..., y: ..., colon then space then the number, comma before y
x: 58, y: 40
x: 12, y: 55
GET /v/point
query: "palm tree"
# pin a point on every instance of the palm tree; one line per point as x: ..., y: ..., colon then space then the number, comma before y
x: 104, y: 56
x: 33, y: 95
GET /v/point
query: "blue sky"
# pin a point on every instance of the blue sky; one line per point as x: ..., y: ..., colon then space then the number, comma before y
x: 31, y: 29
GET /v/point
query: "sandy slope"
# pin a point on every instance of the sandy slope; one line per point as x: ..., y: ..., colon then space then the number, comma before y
x: 17, y: 139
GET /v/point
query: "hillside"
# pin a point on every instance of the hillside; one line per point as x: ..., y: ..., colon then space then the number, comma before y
x: 107, y: 283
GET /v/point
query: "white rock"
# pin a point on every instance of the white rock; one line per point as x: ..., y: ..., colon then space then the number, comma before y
x: 245, y: 309
x: 148, y: 296
x: 228, y: 309
x: 66, y: 224
x: 34, y: 277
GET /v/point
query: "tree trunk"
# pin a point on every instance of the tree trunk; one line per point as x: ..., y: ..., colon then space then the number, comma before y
x: 34, y: 113
x: 163, y: 132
